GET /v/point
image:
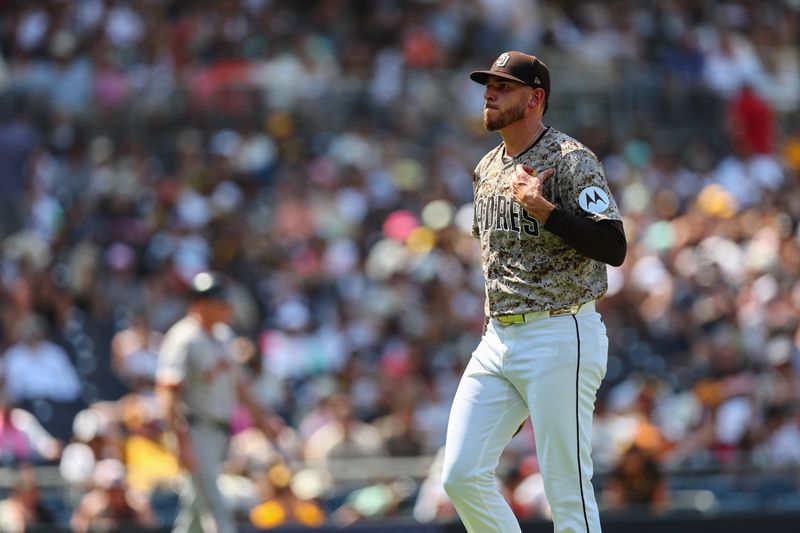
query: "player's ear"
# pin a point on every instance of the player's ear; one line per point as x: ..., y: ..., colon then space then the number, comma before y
x: 534, y: 99
x: 537, y: 97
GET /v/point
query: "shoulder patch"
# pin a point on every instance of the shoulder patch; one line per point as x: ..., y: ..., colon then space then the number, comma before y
x: 593, y: 199
x: 569, y: 145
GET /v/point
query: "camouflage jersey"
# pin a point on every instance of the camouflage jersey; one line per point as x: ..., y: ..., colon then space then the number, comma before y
x: 527, y: 268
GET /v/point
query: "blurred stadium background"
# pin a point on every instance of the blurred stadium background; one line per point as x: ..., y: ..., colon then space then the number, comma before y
x: 320, y: 153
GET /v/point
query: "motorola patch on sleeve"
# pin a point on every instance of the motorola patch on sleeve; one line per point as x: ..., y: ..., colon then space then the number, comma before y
x: 593, y: 199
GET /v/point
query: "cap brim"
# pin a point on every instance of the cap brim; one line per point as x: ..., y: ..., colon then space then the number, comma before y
x: 482, y: 76
x: 211, y: 294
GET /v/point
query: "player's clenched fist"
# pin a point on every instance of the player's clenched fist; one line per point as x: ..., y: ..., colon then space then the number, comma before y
x: 527, y: 189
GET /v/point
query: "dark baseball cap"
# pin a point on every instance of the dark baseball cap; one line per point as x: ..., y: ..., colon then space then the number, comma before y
x: 208, y: 285
x: 517, y: 66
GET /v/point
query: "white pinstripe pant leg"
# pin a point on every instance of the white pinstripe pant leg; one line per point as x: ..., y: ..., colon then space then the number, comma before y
x: 486, y: 412
x: 554, y: 367
x: 558, y: 365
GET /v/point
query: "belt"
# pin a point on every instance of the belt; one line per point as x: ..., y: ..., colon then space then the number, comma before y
x: 219, y: 425
x: 533, y: 316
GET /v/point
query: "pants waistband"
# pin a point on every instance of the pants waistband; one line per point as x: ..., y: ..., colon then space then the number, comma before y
x: 533, y: 316
x: 219, y: 425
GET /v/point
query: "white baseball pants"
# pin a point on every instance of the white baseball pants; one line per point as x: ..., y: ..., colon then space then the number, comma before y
x: 551, y: 369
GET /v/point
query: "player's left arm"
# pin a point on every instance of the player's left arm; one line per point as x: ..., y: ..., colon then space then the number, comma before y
x: 270, y: 425
x: 587, y: 217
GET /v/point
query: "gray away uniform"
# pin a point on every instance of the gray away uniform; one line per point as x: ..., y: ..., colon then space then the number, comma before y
x: 205, y: 370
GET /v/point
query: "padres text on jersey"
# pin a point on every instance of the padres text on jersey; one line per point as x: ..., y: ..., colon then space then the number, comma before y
x: 526, y: 267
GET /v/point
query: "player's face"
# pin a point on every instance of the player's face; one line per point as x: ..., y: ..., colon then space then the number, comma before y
x: 223, y: 312
x: 504, y: 102
x: 216, y: 310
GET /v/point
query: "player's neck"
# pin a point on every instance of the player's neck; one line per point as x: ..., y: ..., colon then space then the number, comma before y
x: 520, y: 135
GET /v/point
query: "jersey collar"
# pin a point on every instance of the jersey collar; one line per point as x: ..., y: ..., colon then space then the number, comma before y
x: 507, y: 160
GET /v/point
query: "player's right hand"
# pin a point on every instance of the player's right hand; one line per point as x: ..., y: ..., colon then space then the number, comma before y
x: 527, y: 189
x: 186, y: 456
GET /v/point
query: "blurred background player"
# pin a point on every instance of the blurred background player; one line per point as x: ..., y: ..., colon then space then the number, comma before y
x: 198, y: 383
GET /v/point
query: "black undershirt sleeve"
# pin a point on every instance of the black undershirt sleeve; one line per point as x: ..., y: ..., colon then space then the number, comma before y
x: 602, y: 240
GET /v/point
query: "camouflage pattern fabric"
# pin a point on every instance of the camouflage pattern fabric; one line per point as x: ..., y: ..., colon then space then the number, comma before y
x: 527, y: 268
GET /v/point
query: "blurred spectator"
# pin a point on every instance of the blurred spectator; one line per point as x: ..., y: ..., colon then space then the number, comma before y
x: 267, y: 390
x: 377, y: 501
x: 779, y: 382
x: 751, y: 123
x: 322, y: 392
x: 110, y: 506
x: 727, y: 396
x: 134, y: 352
x: 637, y: 483
x: 731, y: 63
x: 524, y: 490
x: 613, y: 429
x: 343, y: 437
x: 280, y: 505
x: 23, y: 508
x: 22, y: 438
x: 94, y: 438
x: 777, y: 444
x: 791, y: 148
x: 251, y: 451
x: 295, y: 350
x: 432, y: 410
x: 35, y: 368
x: 401, y: 438
x: 432, y: 503
x: 19, y: 143
x: 148, y: 460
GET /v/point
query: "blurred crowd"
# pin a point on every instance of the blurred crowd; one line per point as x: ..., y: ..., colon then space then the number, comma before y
x: 320, y: 154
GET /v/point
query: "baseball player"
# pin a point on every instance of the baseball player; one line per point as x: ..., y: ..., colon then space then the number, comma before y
x: 198, y: 384
x: 547, y: 225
